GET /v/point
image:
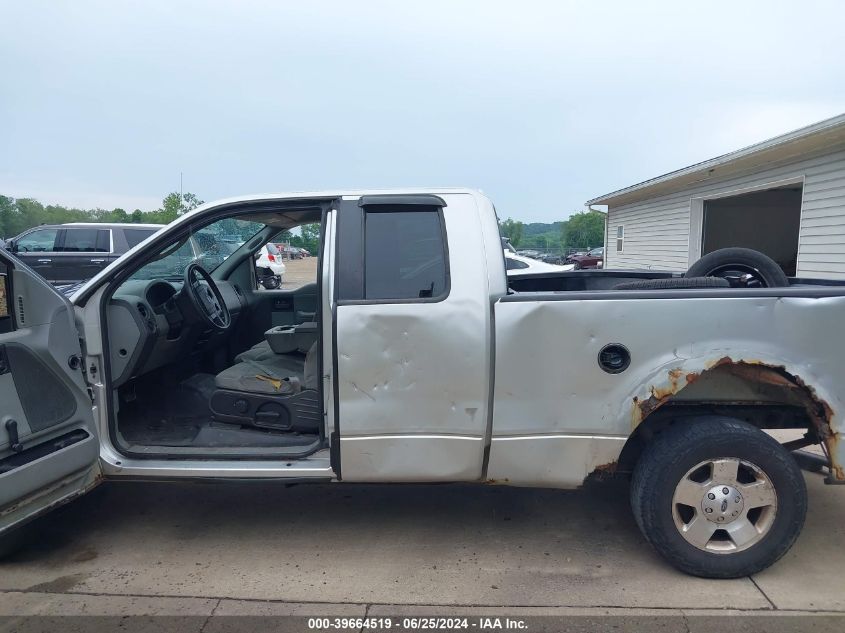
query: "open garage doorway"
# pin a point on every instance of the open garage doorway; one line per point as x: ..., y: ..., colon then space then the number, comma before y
x: 767, y: 221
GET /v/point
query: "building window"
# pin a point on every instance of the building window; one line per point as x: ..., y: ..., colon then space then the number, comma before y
x: 620, y: 238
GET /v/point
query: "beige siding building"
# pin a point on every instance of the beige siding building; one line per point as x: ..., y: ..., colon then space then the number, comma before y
x: 784, y: 197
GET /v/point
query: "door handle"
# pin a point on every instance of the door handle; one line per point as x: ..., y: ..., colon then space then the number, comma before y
x: 44, y: 261
x: 97, y: 261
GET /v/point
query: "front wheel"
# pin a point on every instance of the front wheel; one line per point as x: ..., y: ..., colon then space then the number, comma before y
x: 718, y: 498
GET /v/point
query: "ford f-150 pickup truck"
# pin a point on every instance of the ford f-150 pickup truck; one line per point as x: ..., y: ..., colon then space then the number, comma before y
x: 413, y: 358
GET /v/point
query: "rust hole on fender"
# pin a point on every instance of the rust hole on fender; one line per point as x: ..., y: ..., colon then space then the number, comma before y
x: 775, y: 377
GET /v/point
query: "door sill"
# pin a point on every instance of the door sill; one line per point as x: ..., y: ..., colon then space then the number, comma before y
x: 313, y: 467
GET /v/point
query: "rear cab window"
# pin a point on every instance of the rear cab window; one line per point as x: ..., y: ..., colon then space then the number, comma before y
x: 404, y: 254
x: 392, y: 249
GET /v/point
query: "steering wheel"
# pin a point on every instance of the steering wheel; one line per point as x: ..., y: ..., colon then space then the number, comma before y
x: 206, y: 297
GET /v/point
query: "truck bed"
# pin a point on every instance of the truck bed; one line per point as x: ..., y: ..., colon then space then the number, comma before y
x: 606, y: 280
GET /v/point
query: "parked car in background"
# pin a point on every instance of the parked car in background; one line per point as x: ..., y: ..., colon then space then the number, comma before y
x: 70, y: 253
x: 269, y: 266
x: 289, y: 252
x: 519, y: 265
x: 552, y: 258
x: 591, y: 259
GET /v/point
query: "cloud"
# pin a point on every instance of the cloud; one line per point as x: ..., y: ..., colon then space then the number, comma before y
x: 541, y: 104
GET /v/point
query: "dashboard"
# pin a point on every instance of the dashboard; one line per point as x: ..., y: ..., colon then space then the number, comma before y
x: 151, y: 324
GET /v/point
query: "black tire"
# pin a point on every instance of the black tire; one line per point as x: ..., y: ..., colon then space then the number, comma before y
x: 669, y: 457
x: 576, y: 265
x: 673, y: 283
x: 726, y: 260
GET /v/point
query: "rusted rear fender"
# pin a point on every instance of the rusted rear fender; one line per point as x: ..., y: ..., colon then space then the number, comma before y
x: 738, y: 377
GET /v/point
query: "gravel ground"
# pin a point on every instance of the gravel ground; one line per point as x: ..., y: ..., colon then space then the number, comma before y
x: 299, y: 272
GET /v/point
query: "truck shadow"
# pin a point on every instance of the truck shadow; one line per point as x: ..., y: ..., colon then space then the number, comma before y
x: 259, y: 515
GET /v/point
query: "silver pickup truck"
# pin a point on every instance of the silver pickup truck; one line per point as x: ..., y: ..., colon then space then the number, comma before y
x: 411, y: 357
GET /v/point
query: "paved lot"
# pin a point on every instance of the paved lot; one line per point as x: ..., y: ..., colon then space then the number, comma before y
x: 267, y: 548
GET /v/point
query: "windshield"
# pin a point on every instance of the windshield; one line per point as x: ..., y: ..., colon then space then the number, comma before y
x: 209, y: 247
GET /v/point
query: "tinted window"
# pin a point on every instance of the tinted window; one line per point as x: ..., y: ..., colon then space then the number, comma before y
x: 404, y: 255
x: 86, y: 241
x: 514, y: 264
x: 136, y: 236
x: 38, y: 241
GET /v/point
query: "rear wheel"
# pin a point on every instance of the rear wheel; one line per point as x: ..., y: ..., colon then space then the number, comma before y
x: 718, y: 498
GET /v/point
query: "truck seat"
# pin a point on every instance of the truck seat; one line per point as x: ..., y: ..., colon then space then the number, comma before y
x: 258, y: 352
x: 300, y: 370
x: 278, y: 393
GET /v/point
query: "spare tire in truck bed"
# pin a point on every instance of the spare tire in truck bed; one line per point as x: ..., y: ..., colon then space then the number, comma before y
x: 674, y: 283
x: 730, y: 262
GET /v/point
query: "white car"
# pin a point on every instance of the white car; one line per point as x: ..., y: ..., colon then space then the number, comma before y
x: 270, y: 257
x: 519, y: 265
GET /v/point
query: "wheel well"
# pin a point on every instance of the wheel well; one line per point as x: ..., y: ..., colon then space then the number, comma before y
x: 765, y: 396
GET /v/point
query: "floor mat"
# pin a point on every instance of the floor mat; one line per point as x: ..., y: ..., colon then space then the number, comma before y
x: 180, y: 417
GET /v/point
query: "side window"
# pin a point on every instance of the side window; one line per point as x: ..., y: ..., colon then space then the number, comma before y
x: 514, y: 264
x: 136, y: 236
x: 620, y: 238
x: 86, y: 241
x: 404, y: 255
x: 40, y: 241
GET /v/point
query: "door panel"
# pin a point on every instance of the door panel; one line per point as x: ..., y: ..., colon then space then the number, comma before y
x: 48, y: 439
x: 414, y: 373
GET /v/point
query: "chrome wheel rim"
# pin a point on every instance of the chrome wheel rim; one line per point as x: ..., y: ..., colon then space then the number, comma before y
x: 724, y: 505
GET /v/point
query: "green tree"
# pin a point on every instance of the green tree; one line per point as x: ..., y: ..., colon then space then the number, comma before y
x: 17, y: 215
x: 173, y: 205
x: 513, y: 230
x: 308, y: 238
x: 584, y: 229
x: 9, y: 220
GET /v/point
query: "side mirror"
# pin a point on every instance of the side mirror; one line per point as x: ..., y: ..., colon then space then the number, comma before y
x: 11, y: 245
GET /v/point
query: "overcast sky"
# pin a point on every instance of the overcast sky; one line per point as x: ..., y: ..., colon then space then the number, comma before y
x: 542, y: 105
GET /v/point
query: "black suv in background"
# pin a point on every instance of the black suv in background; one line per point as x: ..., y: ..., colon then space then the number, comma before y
x: 70, y: 253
